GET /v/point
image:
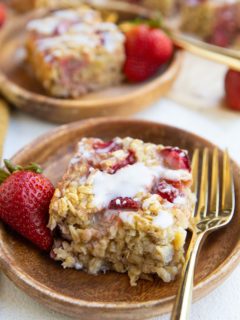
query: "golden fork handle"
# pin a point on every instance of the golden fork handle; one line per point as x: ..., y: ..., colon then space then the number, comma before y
x: 4, y: 118
x: 230, y: 58
x: 181, y: 308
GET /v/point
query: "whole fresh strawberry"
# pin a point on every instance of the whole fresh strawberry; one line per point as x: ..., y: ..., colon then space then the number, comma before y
x: 2, y: 14
x: 147, y: 49
x: 25, y: 195
x: 232, y: 88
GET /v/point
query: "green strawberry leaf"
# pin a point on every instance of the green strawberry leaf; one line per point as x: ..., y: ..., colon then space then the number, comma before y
x: 10, y: 168
x: 150, y: 23
x: 33, y: 167
x: 153, y: 23
x: 156, y: 23
x: 3, y: 175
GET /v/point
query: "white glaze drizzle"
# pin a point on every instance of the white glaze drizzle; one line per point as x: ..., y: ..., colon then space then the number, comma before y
x: 130, y: 180
x: 163, y: 220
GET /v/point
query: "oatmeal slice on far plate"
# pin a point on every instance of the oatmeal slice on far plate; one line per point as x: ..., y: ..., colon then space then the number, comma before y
x: 73, y: 52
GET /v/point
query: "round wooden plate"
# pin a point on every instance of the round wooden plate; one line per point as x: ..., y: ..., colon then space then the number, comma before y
x: 110, y: 296
x: 19, y: 86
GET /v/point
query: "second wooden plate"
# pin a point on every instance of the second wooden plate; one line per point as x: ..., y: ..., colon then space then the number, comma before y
x: 19, y: 86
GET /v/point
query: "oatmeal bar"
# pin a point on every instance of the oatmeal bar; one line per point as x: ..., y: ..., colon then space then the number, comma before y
x: 73, y: 52
x: 123, y: 205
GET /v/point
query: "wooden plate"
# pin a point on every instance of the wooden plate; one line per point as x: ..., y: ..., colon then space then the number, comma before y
x: 19, y: 86
x: 110, y: 296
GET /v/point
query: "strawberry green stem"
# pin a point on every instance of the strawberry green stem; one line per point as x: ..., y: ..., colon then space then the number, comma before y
x: 33, y: 167
x: 3, y: 175
x: 10, y: 168
x: 157, y: 22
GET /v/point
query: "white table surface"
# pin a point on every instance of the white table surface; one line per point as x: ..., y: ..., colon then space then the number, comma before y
x: 210, y: 121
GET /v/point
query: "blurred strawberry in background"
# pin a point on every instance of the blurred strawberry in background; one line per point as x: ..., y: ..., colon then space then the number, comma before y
x: 232, y: 89
x: 147, y: 49
x: 2, y: 14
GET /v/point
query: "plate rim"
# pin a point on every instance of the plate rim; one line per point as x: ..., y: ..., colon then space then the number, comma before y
x: 21, y: 279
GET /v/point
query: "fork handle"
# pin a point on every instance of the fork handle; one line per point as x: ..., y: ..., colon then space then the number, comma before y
x: 181, y: 308
x: 207, y: 51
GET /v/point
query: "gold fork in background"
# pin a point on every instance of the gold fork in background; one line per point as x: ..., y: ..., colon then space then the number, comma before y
x: 191, y: 43
x: 229, y: 57
x: 4, y: 118
x: 214, y: 209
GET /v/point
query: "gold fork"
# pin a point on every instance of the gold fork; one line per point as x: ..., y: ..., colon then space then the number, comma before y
x: 229, y: 57
x: 213, y: 210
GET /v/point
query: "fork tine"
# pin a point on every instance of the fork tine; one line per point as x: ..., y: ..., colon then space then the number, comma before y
x: 195, y: 165
x: 228, y: 194
x: 195, y: 174
x: 214, y: 195
x: 203, y: 195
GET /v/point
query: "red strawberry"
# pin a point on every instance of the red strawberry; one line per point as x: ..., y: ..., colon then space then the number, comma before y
x: 2, y: 14
x: 123, y: 203
x: 167, y: 191
x: 25, y: 196
x: 130, y: 159
x: 232, y: 88
x: 146, y: 50
x: 175, y: 184
x: 175, y: 158
x: 108, y: 146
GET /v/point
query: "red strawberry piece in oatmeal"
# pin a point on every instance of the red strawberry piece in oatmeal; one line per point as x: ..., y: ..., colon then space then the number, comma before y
x: 169, y: 190
x: 130, y: 159
x: 175, y: 158
x: 175, y: 184
x: 123, y: 203
x: 109, y: 146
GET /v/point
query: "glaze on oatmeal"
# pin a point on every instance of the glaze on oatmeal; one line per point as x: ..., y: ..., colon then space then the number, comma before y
x: 123, y: 205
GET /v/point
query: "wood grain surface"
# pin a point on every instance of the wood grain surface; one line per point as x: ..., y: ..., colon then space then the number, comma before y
x: 109, y: 296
